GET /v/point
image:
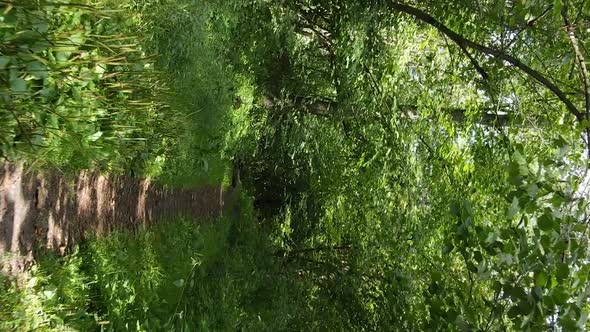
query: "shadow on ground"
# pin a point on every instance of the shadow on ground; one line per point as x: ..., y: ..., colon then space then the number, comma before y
x: 50, y: 211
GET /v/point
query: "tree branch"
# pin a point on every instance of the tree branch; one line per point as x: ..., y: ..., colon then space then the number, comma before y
x: 474, y: 62
x: 462, y: 41
x: 529, y: 24
x: 581, y: 62
x: 324, y: 108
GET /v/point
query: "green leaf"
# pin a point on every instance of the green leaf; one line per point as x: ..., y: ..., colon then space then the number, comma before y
x: 38, y: 70
x: 568, y: 323
x: 557, y: 200
x: 9, y: 17
x: 516, y: 293
x: 41, y: 26
x: 519, y: 158
x: 48, y: 294
x: 18, y: 85
x: 559, y: 295
x: 532, y: 190
x: 546, y: 222
x: 562, y: 271
x: 537, y: 293
x: 491, y: 238
x: 436, y: 276
x: 77, y: 38
x: 77, y: 94
x: 61, y: 57
x: 514, y: 312
x: 4, y: 60
x: 94, y: 137
x: 513, y: 209
x: 56, y: 319
x: 557, y: 6
x: 540, y: 278
x: 534, y: 166
x: 454, y: 209
x: 482, y: 267
x: 523, y: 168
x: 525, y: 307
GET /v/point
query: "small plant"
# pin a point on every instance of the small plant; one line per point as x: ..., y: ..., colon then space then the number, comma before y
x: 76, y: 89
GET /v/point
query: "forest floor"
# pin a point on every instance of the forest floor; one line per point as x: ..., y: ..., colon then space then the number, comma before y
x: 53, y: 211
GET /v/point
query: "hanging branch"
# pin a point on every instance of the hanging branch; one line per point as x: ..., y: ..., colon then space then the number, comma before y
x: 474, y: 62
x: 464, y: 42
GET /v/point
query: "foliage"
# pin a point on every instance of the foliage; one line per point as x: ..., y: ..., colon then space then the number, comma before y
x: 77, y: 90
x: 436, y: 193
x: 201, y: 88
x: 85, y: 88
x: 178, y: 276
x: 416, y: 165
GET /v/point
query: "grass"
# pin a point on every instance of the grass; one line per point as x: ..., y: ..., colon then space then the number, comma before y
x: 201, y: 88
x: 145, y: 91
x: 181, y: 275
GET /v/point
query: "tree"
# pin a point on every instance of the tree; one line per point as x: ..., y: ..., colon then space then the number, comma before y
x: 441, y: 143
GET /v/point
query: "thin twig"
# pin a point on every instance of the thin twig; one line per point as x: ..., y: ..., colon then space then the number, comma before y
x: 529, y: 24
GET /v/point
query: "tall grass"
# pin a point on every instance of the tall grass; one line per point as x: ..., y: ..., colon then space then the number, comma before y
x: 76, y: 91
x: 115, y: 85
x: 178, y: 276
x: 202, y: 87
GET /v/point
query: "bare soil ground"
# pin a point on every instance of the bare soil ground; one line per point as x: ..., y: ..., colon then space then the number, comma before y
x: 47, y: 211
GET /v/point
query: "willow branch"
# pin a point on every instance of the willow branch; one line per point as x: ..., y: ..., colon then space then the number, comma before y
x: 462, y: 41
x: 474, y: 62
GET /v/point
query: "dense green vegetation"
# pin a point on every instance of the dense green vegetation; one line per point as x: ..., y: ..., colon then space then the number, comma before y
x: 176, y: 276
x: 417, y: 165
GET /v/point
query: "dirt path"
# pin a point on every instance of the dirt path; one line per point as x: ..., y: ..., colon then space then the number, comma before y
x: 40, y: 211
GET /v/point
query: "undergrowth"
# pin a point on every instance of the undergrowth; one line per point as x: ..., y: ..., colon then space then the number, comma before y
x: 201, y: 86
x: 119, y: 86
x: 179, y: 275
